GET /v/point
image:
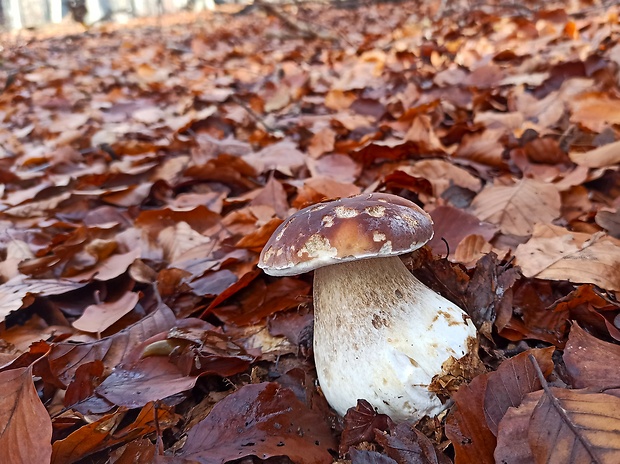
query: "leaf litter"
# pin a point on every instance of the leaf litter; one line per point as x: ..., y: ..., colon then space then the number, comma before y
x: 137, y: 192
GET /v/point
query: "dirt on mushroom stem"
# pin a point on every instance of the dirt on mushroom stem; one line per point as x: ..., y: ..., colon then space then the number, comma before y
x: 382, y: 335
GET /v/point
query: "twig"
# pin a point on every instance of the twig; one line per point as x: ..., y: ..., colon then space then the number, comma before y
x: 253, y: 114
x: 302, y: 28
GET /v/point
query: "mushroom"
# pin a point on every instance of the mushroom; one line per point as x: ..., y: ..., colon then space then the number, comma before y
x: 379, y: 333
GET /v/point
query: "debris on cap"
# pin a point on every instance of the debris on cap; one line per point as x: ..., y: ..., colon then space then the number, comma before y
x: 363, y: 226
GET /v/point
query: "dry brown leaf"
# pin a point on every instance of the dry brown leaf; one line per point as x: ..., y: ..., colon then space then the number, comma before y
x: 338, y: 167
x: 512, y: 437
x: 452, y: 225
x: 105, y: 433
x: 109, y: 268
x: 37, y: 208
x: 13, y: 292
x: 604, y: 156
x: 466, y: 426
x: 260, y: 420
x: 273, y: 195
x: 509, y: 384
x: 177, y: 240
x: 150, y: 379
x: 98, y: 317
x: 441, y: 174
x: 557, y: 254
x: 595, y: 112
x: 517, y: 208
x: 610, y: 221
x: 574, y: 427
x: 66, y: 357
x: 471, y: 249
x: 25, y: 425
x: 591, y: 362
x: 483, y: 147
x: 282, y: 156
x: 322, y: 142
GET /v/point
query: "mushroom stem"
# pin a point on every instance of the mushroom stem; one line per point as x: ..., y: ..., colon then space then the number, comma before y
x: 382, y: 335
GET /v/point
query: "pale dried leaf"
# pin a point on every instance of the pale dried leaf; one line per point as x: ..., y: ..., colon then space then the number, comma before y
x: 595, y: 112
x: 282, y: 156
x: 606, y: 155
x: 98, y: 317
x: 517, y: 208
x: 471, y: 249
x: 574, y: 427
x: 557, y: 254
x: 178, y: 239
x: 442, y: 174
x: 37, y: 208
x: 15, y: 290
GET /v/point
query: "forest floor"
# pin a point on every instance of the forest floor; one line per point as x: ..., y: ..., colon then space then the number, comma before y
x: 143, y: 167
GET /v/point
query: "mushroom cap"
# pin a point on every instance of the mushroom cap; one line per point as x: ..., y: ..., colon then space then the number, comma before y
x: 369, y: 225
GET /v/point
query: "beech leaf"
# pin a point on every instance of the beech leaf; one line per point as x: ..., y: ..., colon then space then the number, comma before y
x: 25, y: 425
x: 556, y: 254
x: 262, y: 420
x: 591, y: 362
x: 513, y: 379
x: 98, y: 317
x: 517, y: 208
x: 575, y: 426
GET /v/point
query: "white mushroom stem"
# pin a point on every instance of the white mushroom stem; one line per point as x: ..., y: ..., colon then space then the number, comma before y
x: 381, y: 335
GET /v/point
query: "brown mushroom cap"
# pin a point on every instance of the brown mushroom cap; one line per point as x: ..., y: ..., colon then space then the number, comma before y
x: 363, y: 226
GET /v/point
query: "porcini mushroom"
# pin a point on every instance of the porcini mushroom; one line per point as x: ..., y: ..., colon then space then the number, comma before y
x: 379, y: 333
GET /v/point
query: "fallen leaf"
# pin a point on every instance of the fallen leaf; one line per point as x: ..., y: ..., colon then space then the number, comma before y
x: 263, y: 420
x: 508, y: 385
x: 442, y: 174
x: 337, y: 167
x: 591, y: 362
x: 453, y: 225
x: 97, y: 318
x: 282, y: 156
x: 274, y: 195
x: 150, y: 379
x: 512, y: 437
x: 604, y: 156
x: 66, y: 357
x: 13, y: 292
x: 557, y: 254
x: 360, y: 424
x: 406, y: 444
x: 610, y: 221
x: 516, y: 209
x: 595, y: 112
x: 581, y: 424
x: 26, y: 428
x: 109, y: 431
x: 466, y: 425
